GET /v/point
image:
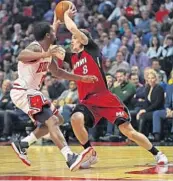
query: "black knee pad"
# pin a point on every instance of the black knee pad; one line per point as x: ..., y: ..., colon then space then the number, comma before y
x: 120, y: 121
x: 88, y: 117
x: 44, y: 115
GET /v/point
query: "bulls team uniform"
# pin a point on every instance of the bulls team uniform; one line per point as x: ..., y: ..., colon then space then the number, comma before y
x: 96, y: 101
x: 25, y: 93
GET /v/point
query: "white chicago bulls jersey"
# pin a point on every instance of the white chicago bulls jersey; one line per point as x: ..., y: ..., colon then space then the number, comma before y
x: 31, y: 74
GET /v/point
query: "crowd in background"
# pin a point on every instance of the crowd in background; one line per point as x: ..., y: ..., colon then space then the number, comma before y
x: 136, y: 40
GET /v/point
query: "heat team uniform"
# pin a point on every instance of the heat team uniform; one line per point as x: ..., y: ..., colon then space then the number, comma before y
x: 25, y: 93
x: 96, y: 101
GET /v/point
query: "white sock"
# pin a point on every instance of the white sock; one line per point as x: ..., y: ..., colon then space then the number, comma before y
x: 30, y: 139
x: 65, y: 151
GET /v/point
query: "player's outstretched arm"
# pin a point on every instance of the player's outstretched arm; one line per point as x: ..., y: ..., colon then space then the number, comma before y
x: 60, y: 73
x: 71, y: 26
x: 32, y: 52
x: 56, y: 23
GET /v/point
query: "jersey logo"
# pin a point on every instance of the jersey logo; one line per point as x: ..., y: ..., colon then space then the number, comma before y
x: 120, y: 114
x: 43, y: 67
x: 80, y: 62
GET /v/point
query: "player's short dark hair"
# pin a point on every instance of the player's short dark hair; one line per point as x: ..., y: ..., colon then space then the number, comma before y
x: 121, y: 71
x: 40, y: 29
x: 87, y: 33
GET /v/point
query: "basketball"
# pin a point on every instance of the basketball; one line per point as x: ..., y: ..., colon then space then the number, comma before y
x: 60, y: 9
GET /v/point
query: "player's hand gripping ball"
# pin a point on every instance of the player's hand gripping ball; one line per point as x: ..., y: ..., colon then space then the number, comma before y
x: 62, y: 7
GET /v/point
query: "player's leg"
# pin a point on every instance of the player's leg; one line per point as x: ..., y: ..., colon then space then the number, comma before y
x: 78, y: 125
x: 39, y: 132
x: 73, y: 160
x: 80, y: 119
x: 51, y: 121
x: 141, y: 140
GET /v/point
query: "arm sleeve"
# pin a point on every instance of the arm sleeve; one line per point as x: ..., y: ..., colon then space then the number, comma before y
x: 91, y: 44
x: 68, y: 56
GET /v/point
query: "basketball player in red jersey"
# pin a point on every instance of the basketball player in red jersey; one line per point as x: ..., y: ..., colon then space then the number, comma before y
x: 96, y: 101
x: 34, y: 62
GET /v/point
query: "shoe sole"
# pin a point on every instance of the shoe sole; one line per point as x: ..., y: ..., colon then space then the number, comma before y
x: 83, y: 157
x: 18, y: 154
x: 93, y: 162
x: 89, y: 166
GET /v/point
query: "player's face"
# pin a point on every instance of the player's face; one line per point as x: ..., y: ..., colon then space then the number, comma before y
x: 52, y: 36
x: 75, y: 44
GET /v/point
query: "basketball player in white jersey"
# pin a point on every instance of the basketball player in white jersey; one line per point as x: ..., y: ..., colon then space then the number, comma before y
x: 34, y: 62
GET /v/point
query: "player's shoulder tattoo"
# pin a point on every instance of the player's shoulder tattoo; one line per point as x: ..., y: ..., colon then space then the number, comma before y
x: 34, y: 47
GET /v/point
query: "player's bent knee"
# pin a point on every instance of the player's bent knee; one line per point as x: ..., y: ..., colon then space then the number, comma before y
x: 44, y: 115
x: 77, y: 118
x: 52, y: 121
x: 60, y: 119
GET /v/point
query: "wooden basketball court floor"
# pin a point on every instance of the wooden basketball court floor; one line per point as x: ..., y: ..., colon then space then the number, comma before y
x: 115, y: 163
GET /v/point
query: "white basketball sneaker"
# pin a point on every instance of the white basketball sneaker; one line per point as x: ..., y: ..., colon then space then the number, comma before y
x: 91, y: 161
x: 161, y: 158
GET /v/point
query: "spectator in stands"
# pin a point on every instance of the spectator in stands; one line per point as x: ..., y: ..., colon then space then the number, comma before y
x: 114, y: 38
x: 156, y: 66
x: 5, y: 101
x: 107, y: 65
x: 46, y: 84
x: 117, y: 11
x: 67, y: 100
x: 124, y: 24
x: 161, y: 14
x: 56, y: 89
x: 139, y: 58
x: 48, y: 16
x: 144, y: 23
x: 12, y: 119
x: 68, y: 96
x: 160, y: 116
x: 169, y: 5
x: 154, y: 31
x: 119, y: 63
x: 154, y: 99
x: 170, y: 81
x: 128, y: 33
x: 123, y: 88
x: 155, y: 49
x: 167, y: 61
x: 138, y: 100
x: 109, y: 49
x: 126, y: 53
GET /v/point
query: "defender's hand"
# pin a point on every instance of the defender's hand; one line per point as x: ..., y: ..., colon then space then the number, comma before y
x: 89, y: 79
x: 55, y: 20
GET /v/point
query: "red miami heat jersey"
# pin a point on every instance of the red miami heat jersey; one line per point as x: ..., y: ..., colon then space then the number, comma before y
x: 95, y: 96
x: 89, y: 62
